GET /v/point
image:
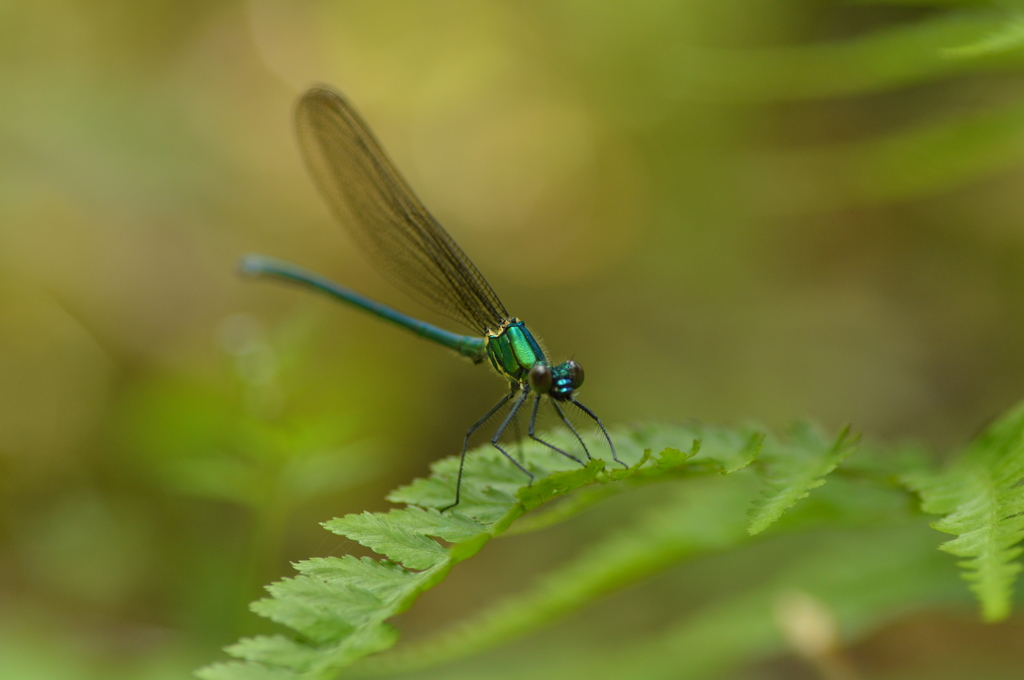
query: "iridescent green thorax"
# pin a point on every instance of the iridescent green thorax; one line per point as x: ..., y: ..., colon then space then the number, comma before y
x: 513, y: 351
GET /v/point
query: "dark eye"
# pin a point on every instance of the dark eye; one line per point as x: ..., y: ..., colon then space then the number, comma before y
x: 576, y: 371
x: 540, y: 378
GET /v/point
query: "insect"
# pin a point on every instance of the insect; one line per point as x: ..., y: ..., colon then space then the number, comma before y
x: 368, y: 195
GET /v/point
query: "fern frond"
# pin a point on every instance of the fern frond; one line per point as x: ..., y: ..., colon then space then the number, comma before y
x: 982, y: 503
x: 388, y: 535
x: 794, y: 468
x: 697, y: 519
x: 339, y: 605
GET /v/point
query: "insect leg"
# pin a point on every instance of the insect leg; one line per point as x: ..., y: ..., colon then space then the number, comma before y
x: 465, y: 443
x: 601, y: 425
x: 569, y: 425
x: 533, y: 424
x: 504, y: 424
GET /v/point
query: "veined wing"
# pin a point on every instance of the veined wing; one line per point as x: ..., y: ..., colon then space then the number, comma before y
x: 370, y: 197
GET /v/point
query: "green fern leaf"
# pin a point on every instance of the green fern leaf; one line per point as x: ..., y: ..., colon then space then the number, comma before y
x: 702, y: 516
x: 722, y: 449
x: 671, y: 458
x: 981, y: 500
x: 276, y: 650
x: 451, y: 526
x: 696, y: 520
x: 488, y: 489
x: 235, y: 670
x: 382, y: 578
x: 795, y: 468
x: 558, y: 484
x: 390, y: 537
x: 339, y: 605
x: 320, y: 610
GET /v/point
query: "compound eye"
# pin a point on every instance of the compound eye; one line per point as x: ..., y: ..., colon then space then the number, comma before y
x: 540, y: 378
x: 576, y: 371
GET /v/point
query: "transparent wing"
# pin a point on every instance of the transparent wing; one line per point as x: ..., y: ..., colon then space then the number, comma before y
x: 370, y: 197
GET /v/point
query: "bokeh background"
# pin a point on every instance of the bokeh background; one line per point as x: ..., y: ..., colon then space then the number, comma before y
x: 739, y: 210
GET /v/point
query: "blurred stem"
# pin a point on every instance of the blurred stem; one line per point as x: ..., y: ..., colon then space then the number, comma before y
x: 812, y: 629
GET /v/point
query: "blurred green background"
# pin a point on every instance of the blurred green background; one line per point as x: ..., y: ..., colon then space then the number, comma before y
x: 730, y: 211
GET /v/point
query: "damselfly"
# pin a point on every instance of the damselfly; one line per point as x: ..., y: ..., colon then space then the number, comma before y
x: 369, y: 196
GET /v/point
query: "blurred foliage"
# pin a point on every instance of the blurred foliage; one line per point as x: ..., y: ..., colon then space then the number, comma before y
x: 725, y: 210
